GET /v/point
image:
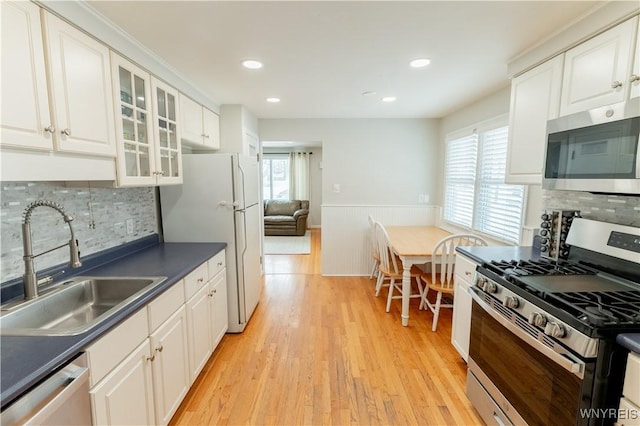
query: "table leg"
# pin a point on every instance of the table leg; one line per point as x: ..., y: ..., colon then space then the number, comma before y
x: 406, y: 291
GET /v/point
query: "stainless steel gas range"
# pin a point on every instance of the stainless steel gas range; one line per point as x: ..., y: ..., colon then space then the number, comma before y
x: 542, y: 348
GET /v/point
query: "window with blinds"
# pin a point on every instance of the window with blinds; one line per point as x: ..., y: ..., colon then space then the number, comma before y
x: 476, y: 196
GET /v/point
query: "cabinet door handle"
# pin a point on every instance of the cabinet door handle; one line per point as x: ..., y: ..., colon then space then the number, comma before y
x: 50, y: 129
x: 215, y: 290
x: 206, y: 136
x: 159, y: 348
x: 616, y: 84
x: 210, y: 294
x: 467, y: 273
x: 219, y: 263
x: 634, y: 78
x: 66, y: 132
x: 151, y: 358
x: 200, y: 280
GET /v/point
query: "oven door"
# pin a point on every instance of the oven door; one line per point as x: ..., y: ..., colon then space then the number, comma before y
x: 531, y: 382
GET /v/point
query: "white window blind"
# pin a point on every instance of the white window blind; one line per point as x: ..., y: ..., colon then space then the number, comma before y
x: 476, y: 196
x: 460, y: 180
x: 499, y: 206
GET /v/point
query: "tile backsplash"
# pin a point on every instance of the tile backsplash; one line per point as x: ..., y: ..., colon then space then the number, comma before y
x: 100, y: 220
x: 623, y: 210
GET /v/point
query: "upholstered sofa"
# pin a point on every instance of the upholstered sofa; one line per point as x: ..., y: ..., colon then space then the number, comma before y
x: 285, y: 217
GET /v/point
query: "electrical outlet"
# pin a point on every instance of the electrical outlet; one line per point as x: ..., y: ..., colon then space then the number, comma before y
x: 423, y: 198
x: 129, y: 226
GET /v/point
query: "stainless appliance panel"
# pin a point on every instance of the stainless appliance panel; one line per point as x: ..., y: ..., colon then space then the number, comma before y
x: 596, y: 150
x: 61, y: 399
x: 540, y: 390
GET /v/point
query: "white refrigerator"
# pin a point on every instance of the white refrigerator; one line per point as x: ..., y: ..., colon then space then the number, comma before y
x: 219, y: 201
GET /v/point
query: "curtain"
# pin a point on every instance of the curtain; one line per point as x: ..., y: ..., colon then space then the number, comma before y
x: 299, y: 176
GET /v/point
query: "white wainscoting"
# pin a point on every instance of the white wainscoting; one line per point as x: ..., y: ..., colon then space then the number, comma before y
x: 346, y: 249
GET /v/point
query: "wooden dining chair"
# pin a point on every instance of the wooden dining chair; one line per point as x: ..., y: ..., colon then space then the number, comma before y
x: 440, y: 278
x: 374, y: 249
x: 390, y: 269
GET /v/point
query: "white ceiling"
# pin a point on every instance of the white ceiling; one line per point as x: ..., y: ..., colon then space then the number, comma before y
x: 320, y: 56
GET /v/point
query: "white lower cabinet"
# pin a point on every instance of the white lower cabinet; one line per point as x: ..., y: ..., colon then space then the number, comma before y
x: 220, y: 318
x: 629, y: 412
x: 141, y: 370
x: 125, y: 396
x: 207, y: 319
x: 461, y: 326
x: 200, y: 331
x: 170, y: 365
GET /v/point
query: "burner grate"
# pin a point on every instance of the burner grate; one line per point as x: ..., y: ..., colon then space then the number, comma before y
x: 600, y: 308
x: 592, y: 308
x: 513, y: 268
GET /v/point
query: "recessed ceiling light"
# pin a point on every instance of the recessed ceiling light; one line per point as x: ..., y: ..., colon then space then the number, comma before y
x: 251, y: 64
x: 273, y: 100
x: 419, y: 63
x: 389, y: 99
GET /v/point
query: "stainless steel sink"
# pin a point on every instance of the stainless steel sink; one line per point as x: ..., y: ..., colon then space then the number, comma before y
x: 73, y: 306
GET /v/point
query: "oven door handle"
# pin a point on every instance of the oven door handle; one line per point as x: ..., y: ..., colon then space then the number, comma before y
x: 565, y: 359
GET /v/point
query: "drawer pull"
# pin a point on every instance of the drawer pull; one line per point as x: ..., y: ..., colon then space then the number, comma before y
x: 467, y: 273
x: 159, y: 348
x: 151, y: 358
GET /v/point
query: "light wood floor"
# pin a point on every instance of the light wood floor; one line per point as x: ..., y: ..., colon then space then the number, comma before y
x: 321, y: 350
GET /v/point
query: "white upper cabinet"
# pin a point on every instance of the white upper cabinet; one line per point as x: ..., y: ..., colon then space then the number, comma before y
x: 168, y: 169
x: 25, y: 121
x: 200, y: 126
x: 634, y: 79
x: 132, y: 97
x: 147, y: 132
x: 80, y: 89
x: 597, y: 72
x: 535, y: 98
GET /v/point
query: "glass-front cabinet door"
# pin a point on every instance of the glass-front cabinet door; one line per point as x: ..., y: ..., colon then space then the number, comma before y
x: 136, y: 157
x: 168, y: 151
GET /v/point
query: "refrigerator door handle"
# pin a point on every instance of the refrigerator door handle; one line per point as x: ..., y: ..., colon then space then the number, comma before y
x: 242, y: 177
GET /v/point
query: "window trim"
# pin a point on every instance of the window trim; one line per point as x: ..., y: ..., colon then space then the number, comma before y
x: 478, y: 128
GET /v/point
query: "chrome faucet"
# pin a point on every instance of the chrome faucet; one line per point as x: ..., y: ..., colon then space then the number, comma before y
x: 30, y: 278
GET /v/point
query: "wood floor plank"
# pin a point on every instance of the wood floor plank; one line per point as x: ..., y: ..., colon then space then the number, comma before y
x: 323, y: 351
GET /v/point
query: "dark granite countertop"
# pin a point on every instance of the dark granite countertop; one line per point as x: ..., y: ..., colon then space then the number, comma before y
x: 630, y: 341
x: 489, y: 253
x: 25, y: 360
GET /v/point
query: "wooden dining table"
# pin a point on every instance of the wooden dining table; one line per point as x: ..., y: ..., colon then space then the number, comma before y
x: 414, y: 245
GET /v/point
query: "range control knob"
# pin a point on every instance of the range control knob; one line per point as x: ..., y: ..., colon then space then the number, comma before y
x: 536, y: 318
x: 554, y: 329
x: 480, y: 282
x: 490, y: 287
x: 511, y: 302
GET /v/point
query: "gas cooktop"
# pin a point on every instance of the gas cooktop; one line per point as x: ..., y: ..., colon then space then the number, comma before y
x: 588, y: 296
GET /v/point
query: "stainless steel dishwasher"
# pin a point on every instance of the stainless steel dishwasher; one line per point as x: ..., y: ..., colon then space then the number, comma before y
x: 61, y: 399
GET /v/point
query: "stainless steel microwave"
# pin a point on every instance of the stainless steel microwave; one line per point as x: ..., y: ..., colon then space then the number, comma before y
x: 595, y: 151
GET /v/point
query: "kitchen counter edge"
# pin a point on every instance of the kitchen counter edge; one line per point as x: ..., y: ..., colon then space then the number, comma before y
x: 26, y: 360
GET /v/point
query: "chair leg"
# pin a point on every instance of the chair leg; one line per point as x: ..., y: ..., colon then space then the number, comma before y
x: 392, y: 284
x: 423, y: 299
x: 421, y: 291
x: 374, y: 269
x: 436, y: 313
x: 379, y: 282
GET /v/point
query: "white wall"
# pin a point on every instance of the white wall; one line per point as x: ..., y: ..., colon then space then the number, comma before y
x: 375, y: 161
x: 378, y: 164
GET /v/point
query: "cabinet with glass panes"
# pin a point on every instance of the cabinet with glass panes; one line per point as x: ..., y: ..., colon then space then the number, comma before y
x: 148, y: 144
